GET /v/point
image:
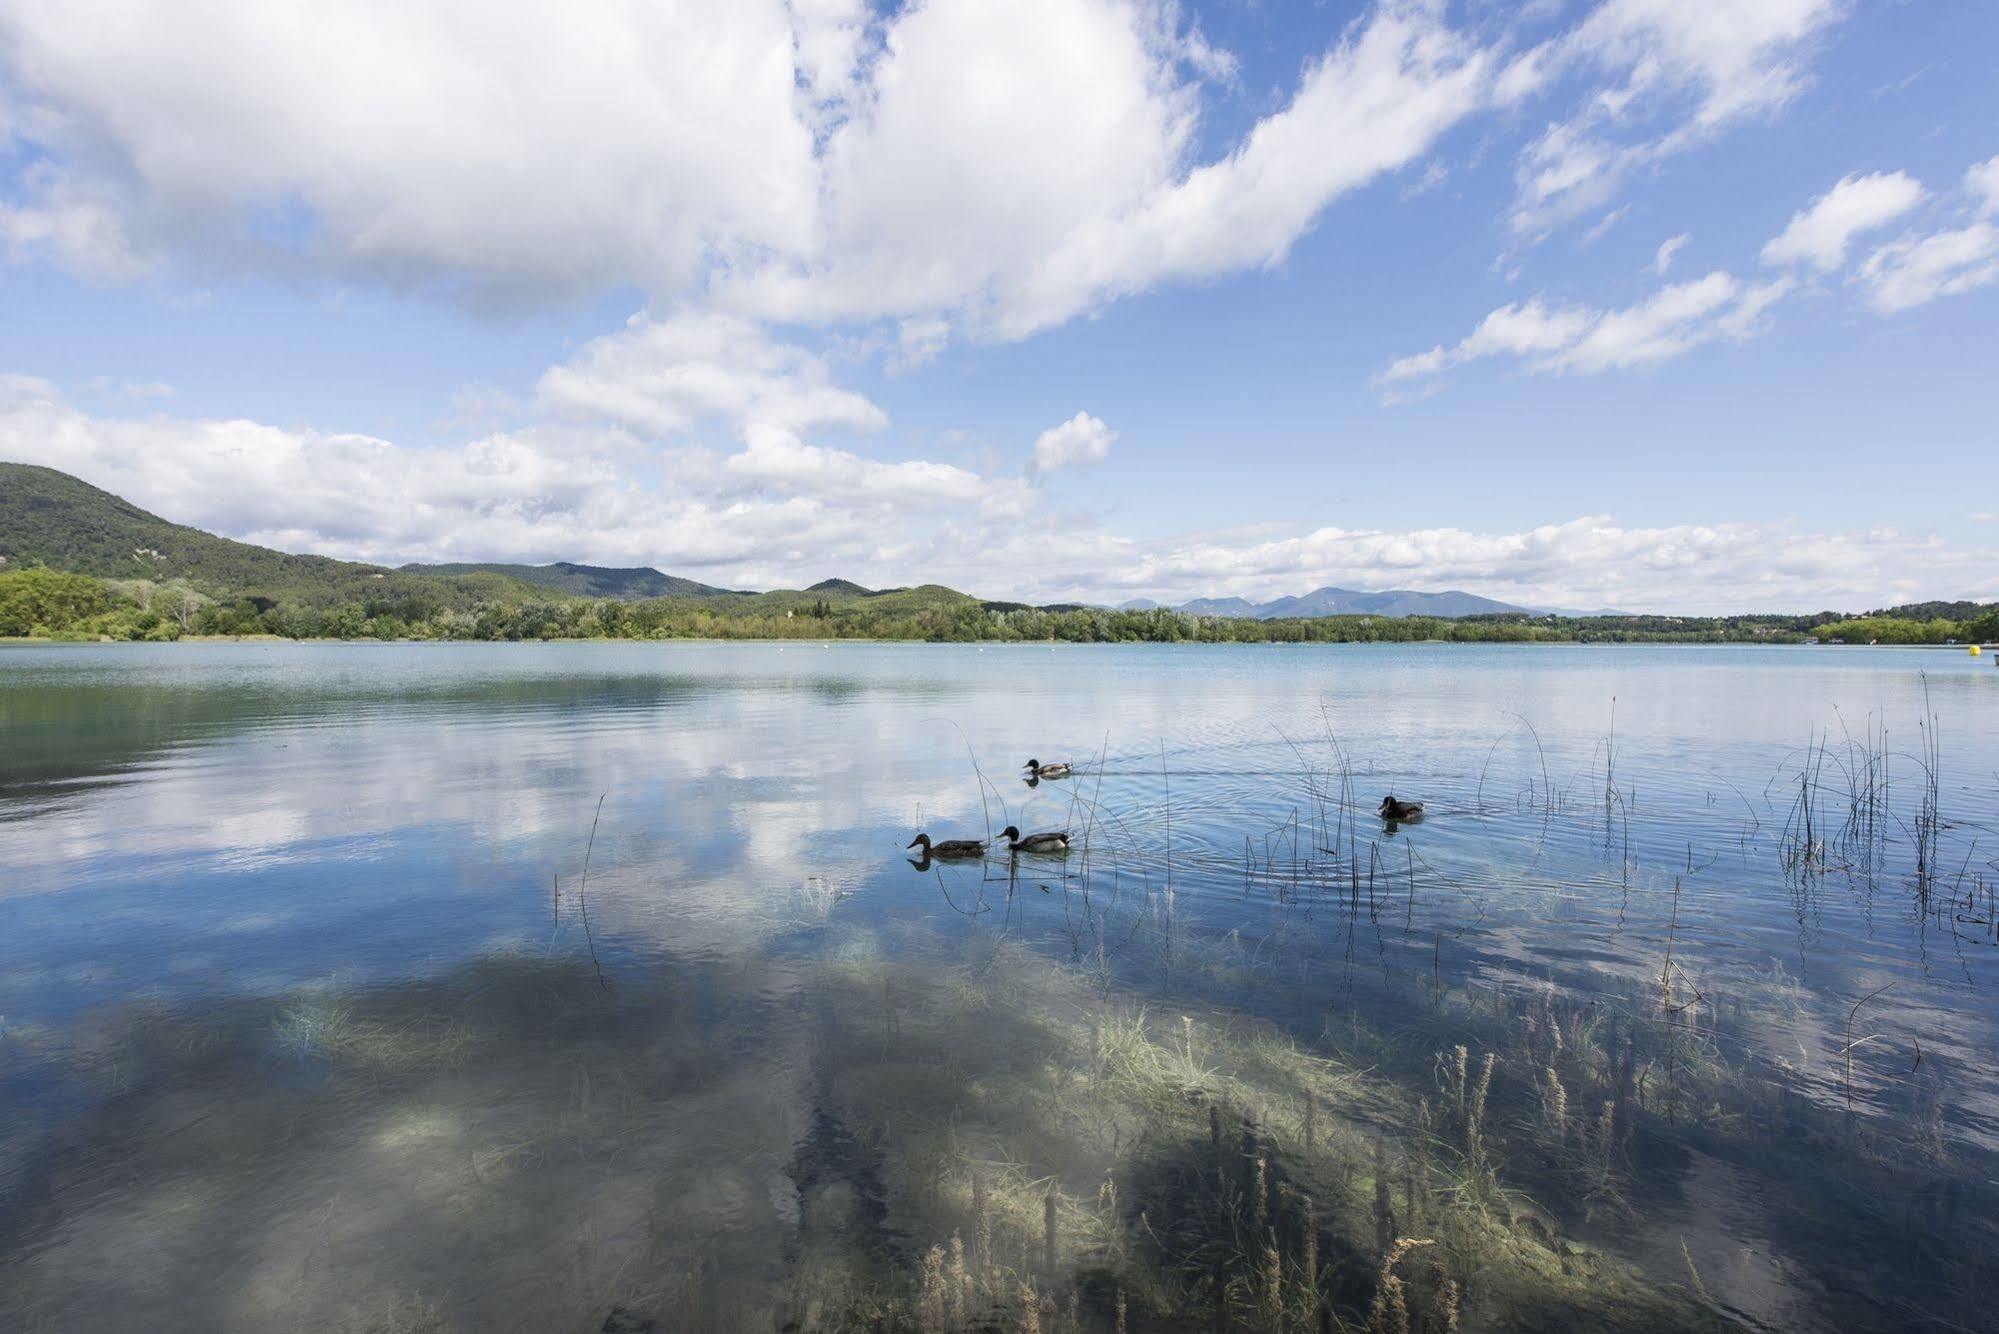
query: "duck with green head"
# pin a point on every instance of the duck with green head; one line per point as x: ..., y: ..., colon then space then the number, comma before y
x: 1055, y: 840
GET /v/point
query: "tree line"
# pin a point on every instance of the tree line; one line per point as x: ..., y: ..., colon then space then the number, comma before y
x: 42, y: 603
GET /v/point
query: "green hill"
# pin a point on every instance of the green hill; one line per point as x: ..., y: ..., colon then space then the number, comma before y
x: 839, y: 586
x: 53, y: 519
x: 588, y: 581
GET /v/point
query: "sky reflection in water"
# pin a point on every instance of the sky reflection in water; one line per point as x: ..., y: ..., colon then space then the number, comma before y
x: 281, y: 846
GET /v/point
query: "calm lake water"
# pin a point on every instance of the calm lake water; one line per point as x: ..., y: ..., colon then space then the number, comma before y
x: 310, y: 1019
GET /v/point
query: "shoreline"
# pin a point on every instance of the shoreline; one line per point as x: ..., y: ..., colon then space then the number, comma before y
x: 28, y: 641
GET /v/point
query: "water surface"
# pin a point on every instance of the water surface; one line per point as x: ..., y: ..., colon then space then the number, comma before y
x: 309, y: 1016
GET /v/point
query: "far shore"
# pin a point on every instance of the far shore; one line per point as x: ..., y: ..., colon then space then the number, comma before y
x: 50, y: 641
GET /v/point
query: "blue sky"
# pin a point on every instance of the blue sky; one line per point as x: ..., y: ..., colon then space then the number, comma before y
x: 1630, y: 303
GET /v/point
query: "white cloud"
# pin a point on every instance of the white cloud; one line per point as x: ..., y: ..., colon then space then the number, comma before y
x: 781, y: 512
x: 953, y: 169
x: 1081, y: 441
x: 1820, y: 233
x: 1602, y: 227
x: 1907, y: 273
x: 960, y: 167
x: 828, y: 38
x: 1376, y: 102
x: 1592, y: 560
x: 660, y: 376
x: 1674, y: 320
x: 507, y: 150
x: 1525, y: 329
x: 1014, y: 166
x: 918, y: 341
x: 1669, y: 248
x: 1732, y: 60
x: 1917, y: 268
x: 1983, y: 182
x: 1674, y: 74
x: 1897, y: 276
x: 777, y: 510
x: 77, y: 228
x: 1416, y: 366
x: 776, y: 460
x: 1005, y: 167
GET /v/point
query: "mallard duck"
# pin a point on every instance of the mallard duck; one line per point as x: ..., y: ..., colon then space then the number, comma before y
x: 1040, y: 770
x: 1391, y: 809
x: 950, y: 847
x: 1052, y: 841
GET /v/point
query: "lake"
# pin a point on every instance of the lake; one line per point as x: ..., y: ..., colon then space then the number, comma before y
x: 593, y: 986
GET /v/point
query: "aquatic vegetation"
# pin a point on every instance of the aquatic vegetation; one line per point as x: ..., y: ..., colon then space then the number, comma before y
x: 1238, y: 1061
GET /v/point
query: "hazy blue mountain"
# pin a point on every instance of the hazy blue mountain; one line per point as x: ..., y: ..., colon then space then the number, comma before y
x: 1219, y: 607
x: 1138, y: 604
x: 1396, y: 602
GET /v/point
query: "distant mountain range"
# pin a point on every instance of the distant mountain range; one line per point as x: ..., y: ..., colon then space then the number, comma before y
x: 1394, y: 602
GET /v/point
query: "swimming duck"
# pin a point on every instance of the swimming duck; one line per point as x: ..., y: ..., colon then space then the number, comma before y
x: 1391, y: 809
x: 950, y: 848
x: 1052, y: 841
x: 1040, y: 770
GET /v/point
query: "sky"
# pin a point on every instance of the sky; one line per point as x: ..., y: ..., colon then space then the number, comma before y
x: 1636, y: 303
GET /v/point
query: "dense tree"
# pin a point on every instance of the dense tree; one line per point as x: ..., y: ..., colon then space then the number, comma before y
x: 40, y: 601
x: 43, y: 602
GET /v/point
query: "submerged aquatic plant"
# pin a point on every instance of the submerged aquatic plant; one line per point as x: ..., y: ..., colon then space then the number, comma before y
x: 1390, y: 1313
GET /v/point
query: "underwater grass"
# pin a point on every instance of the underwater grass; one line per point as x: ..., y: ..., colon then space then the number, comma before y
x: 947, y: 1126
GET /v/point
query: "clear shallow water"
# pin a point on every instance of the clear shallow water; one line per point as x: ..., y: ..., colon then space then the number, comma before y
x: 308, y: 1017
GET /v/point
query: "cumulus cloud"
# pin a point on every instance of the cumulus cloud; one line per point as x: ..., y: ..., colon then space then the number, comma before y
x: 658, y: 376
x: 1005, y: 167
x: 520, y: 152
x: 1591, y: 560
x: 1715, y: 566
x: 1376, y: 102
x: 1015, y: 166
x: 1819, y: 233
x: 947, y: 170
x: 1674, y: 320
x: 780, y: 512
x: 776, y: 509
x: 821, y: 159
x: 776, y: 459
x: 958, y: 167
x: 1081, y: 441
